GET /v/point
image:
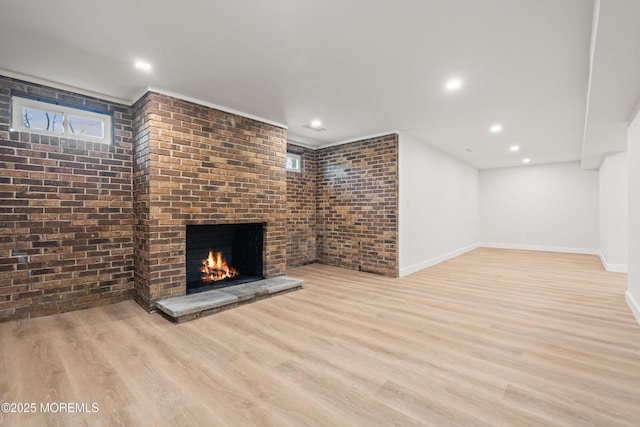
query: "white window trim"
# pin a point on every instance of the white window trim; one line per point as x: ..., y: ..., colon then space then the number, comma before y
x: 18, y: 103
x: 298, y: 157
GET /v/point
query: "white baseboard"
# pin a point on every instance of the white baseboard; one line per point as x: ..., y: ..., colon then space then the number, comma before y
x: 633, y: 305
x: 613, y: 268
x: 433, y: 261
x: 541, y: 248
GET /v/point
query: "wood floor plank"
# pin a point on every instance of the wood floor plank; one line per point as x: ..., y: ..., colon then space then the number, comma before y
x: 491, y: 338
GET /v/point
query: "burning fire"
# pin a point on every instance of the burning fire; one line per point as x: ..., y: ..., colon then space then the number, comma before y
x: 215, y: 268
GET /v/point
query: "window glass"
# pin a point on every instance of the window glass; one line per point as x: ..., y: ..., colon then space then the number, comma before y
x: 48, y: 121
x: 86, y: 126
x: 294, y: 162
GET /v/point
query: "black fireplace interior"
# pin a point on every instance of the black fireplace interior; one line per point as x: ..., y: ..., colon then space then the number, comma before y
x: 241, y: 246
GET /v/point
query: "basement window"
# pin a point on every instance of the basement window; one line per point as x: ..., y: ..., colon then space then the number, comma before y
x: 294, y: 162
x: 48, y: 118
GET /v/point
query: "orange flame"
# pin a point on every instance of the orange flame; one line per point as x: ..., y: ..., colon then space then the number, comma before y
x: 215, y: 268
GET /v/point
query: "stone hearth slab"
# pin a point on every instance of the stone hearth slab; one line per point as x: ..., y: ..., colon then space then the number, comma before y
x: 188, y: 307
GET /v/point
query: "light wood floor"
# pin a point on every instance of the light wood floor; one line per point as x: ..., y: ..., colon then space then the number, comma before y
x: 494, y: 337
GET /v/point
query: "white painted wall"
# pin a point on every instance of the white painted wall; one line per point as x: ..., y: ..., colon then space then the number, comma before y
x: 438, y: 204
x: 633, y: 164
x: 550, y: 207
x: 613, y: 212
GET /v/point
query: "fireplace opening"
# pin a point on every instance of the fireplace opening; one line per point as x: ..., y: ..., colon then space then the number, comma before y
x: 222, y: 255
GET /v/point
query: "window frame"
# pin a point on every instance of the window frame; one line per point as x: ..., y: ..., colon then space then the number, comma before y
x: 19, y: 103
x: 298, y: 159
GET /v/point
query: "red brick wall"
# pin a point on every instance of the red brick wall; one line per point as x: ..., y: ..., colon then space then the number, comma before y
x: 198, y: 165
x: 141, y: 199
x: 301, y: 210
x: 77, y: 217
x: 357, y: 205
x: 65, y: 213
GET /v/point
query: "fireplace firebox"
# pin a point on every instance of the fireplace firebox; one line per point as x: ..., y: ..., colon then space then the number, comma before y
x: 223, y: 255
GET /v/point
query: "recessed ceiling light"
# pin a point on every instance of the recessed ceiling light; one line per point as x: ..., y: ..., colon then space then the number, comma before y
x: 526, y: 160
x: 496, y: 128
x: 514, y: 148
x: 316, y: 123
x: 143, y: 66
x: 453, y: 84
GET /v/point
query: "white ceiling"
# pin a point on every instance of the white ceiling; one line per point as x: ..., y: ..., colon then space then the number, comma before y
x: 363, y: 67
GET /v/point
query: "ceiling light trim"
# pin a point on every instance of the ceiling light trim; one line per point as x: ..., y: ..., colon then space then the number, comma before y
x: 143, y: 66
x: 215, y: 106
x: 495, y: 128
x: 454, y: 84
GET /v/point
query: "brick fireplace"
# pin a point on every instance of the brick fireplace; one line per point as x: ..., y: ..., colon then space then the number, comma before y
x: 195, y: 165
x: 85, y: 224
